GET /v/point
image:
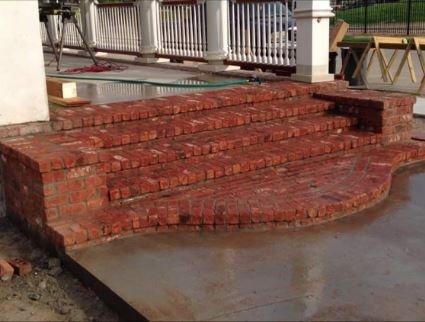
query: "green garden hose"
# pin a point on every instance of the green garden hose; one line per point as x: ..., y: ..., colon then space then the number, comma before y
x: 147, y: 82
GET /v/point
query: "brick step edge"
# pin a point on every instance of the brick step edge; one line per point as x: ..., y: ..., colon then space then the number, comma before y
x: 131, y: 184
x: 96, y: 115
x: 65, y: 150
x: 166, y: 151
x: 118, y: 222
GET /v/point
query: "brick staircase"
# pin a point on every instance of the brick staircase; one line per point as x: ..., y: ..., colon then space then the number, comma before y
x: 261, y: 155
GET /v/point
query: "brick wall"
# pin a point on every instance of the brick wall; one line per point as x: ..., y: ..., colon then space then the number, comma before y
x: 388, y: 114
x: 38, y: 197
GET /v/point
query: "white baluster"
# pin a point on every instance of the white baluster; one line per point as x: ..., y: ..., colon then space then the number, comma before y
x: 191, y: 26
x: 269, y: 35
x: 238, y: 32
x: 248, y: 33
x: 196, y: 27
x: 204, y: 28
x: 243, y: 47
x: 233, y: 55
x: 293, y: 49
x: 276, y: 16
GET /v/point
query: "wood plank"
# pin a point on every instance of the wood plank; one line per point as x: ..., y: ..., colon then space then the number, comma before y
x: 337, y: 34
x: 68, y: 102
x: 61, y: 88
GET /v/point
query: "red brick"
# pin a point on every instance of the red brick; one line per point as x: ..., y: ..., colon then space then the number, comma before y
x: 20, y: 266
x: 6, y: 270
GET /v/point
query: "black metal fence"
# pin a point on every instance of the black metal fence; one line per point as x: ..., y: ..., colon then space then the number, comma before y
x: 389, y: 17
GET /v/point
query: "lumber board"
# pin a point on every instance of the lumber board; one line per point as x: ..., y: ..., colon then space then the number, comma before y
x: 61, y: 88
x: 337, y: 34
x: 68, y: 102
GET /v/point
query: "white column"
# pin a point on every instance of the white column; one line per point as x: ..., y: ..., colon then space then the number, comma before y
x: 313, y: 41
x: 88, y: 19
x: 148, y: 30
x: 217, y: 36
x: 23, y: 95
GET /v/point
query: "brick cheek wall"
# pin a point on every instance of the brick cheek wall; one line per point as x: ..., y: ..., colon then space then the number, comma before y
x: 2, y: 197
x: 393, y: 122
x: 36, y: 198
x: 22, y: 188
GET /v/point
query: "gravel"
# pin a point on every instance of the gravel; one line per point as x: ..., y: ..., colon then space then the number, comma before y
x: 49, y: 292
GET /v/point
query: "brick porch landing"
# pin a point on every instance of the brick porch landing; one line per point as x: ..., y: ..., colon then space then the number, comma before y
x: 274, y: 154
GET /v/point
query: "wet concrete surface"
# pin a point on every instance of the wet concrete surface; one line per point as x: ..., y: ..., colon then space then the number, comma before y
x: 102, y: 92
x: 368, y: 266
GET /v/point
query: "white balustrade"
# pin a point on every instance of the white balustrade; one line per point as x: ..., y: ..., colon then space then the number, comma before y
x: 258, y: 32
x: 262, y: 32
x: 117, y: 28
x: 71, y: 37
x: 182, y: 29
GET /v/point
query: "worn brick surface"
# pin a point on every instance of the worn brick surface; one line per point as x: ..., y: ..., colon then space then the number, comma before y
x: 279, y: 153
x: 299, y: 193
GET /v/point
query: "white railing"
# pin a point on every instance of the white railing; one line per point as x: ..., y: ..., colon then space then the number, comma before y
x: 71, y: 37
x: 117, y: 27
x: 262, y: 32
x: 182, y: 29
x: 259, y: 32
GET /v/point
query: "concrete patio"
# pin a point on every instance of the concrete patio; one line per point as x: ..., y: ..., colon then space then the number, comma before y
x: 102, y: 92
x: 364, y: 267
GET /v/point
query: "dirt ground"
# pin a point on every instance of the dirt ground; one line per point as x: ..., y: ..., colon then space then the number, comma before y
x: 49, y: 292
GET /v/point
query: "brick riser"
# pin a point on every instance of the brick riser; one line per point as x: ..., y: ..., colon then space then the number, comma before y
x: 69, y: 186
x: 134, y: 183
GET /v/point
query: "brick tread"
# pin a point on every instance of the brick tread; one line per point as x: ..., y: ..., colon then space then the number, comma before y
x: 105, y: 114
x: 69, y: 149
x: 188, y: 146
x: 133, y: 183
x: 297, y: 193
x: 374, y: 99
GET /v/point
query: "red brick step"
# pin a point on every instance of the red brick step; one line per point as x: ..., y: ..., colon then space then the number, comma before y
x: 184, y: 147
x: 133, y: 183
x: 96, y: 115
x: 298, y: 193
x: 70, y: 149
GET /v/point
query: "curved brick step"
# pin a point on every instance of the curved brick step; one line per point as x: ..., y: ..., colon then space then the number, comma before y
x: 134, y: 183
x: 68, y: 149
x: 298, y: 193
x: 188, y: 146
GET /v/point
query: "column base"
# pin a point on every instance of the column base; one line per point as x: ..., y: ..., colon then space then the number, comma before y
x: 85, y: 53
x: 217, y: 66
x: 150, y: 59
x: 313, y: 78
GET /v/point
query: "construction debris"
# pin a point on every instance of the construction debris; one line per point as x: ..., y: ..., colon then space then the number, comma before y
x: 21, y: 266
x: 6, y: 271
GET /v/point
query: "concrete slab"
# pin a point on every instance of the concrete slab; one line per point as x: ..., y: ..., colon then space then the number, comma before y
x: 365, y: 267
x: 102, y: 92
